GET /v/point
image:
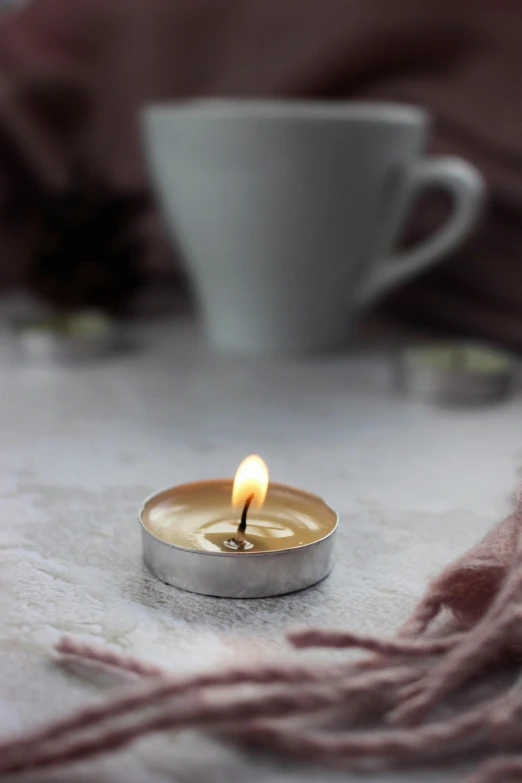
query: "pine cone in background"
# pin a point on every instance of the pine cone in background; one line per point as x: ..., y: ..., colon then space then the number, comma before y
x: 90, y: 246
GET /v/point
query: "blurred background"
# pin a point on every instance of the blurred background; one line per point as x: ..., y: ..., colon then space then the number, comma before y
x: 79, y: 226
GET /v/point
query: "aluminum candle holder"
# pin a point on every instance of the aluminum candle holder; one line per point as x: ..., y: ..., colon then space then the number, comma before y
x: 458, y: 373
x: 187, y: 532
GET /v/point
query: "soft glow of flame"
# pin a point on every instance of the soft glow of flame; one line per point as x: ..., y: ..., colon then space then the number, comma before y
x: 251, y: 479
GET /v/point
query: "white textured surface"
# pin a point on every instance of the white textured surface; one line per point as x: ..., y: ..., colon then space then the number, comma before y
x: 81, y: 447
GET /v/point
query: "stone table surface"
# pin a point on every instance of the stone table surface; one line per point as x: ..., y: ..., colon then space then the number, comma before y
x: 80, y: 447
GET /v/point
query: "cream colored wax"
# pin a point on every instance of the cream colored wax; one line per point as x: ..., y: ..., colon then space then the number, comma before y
x: 200, y: 516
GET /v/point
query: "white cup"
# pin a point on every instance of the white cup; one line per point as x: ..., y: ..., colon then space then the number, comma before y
x: 286, y: 213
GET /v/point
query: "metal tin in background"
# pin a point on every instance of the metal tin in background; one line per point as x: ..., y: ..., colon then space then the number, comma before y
x: 237, y: 575
x: 82, y: 337
x: 456, y: 373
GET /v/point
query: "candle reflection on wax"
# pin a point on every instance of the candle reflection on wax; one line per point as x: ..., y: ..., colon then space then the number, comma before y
x: 205, y: 515
x: 209, y: 522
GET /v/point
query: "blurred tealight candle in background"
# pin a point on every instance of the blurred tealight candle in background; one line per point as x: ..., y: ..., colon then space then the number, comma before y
x: 456, y: 373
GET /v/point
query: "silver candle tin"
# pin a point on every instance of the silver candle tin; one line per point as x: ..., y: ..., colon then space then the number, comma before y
x: 38, y: 345
x: 238, y: 574
x: 461, y: 384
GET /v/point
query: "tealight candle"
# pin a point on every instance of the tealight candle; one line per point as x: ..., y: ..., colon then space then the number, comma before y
x: 456, y: 372
x: 239, y: 539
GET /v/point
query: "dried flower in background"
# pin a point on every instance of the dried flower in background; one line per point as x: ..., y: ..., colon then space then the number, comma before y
x: 90, y: 246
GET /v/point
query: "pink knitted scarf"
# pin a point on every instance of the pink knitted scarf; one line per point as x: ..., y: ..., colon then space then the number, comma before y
x: 437, y: 689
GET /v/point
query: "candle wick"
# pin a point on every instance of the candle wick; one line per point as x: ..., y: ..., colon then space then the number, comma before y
x: 240, y: 536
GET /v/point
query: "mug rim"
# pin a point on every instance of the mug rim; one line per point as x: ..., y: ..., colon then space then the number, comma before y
x: 373, y: 111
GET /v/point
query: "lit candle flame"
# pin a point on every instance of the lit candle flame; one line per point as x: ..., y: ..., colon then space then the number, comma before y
x: 251, y: 479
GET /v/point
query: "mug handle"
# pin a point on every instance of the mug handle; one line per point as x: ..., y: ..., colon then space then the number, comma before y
x: 466, y: 186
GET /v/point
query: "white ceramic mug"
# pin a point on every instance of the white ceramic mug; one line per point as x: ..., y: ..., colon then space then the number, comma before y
x: 286, y: 213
